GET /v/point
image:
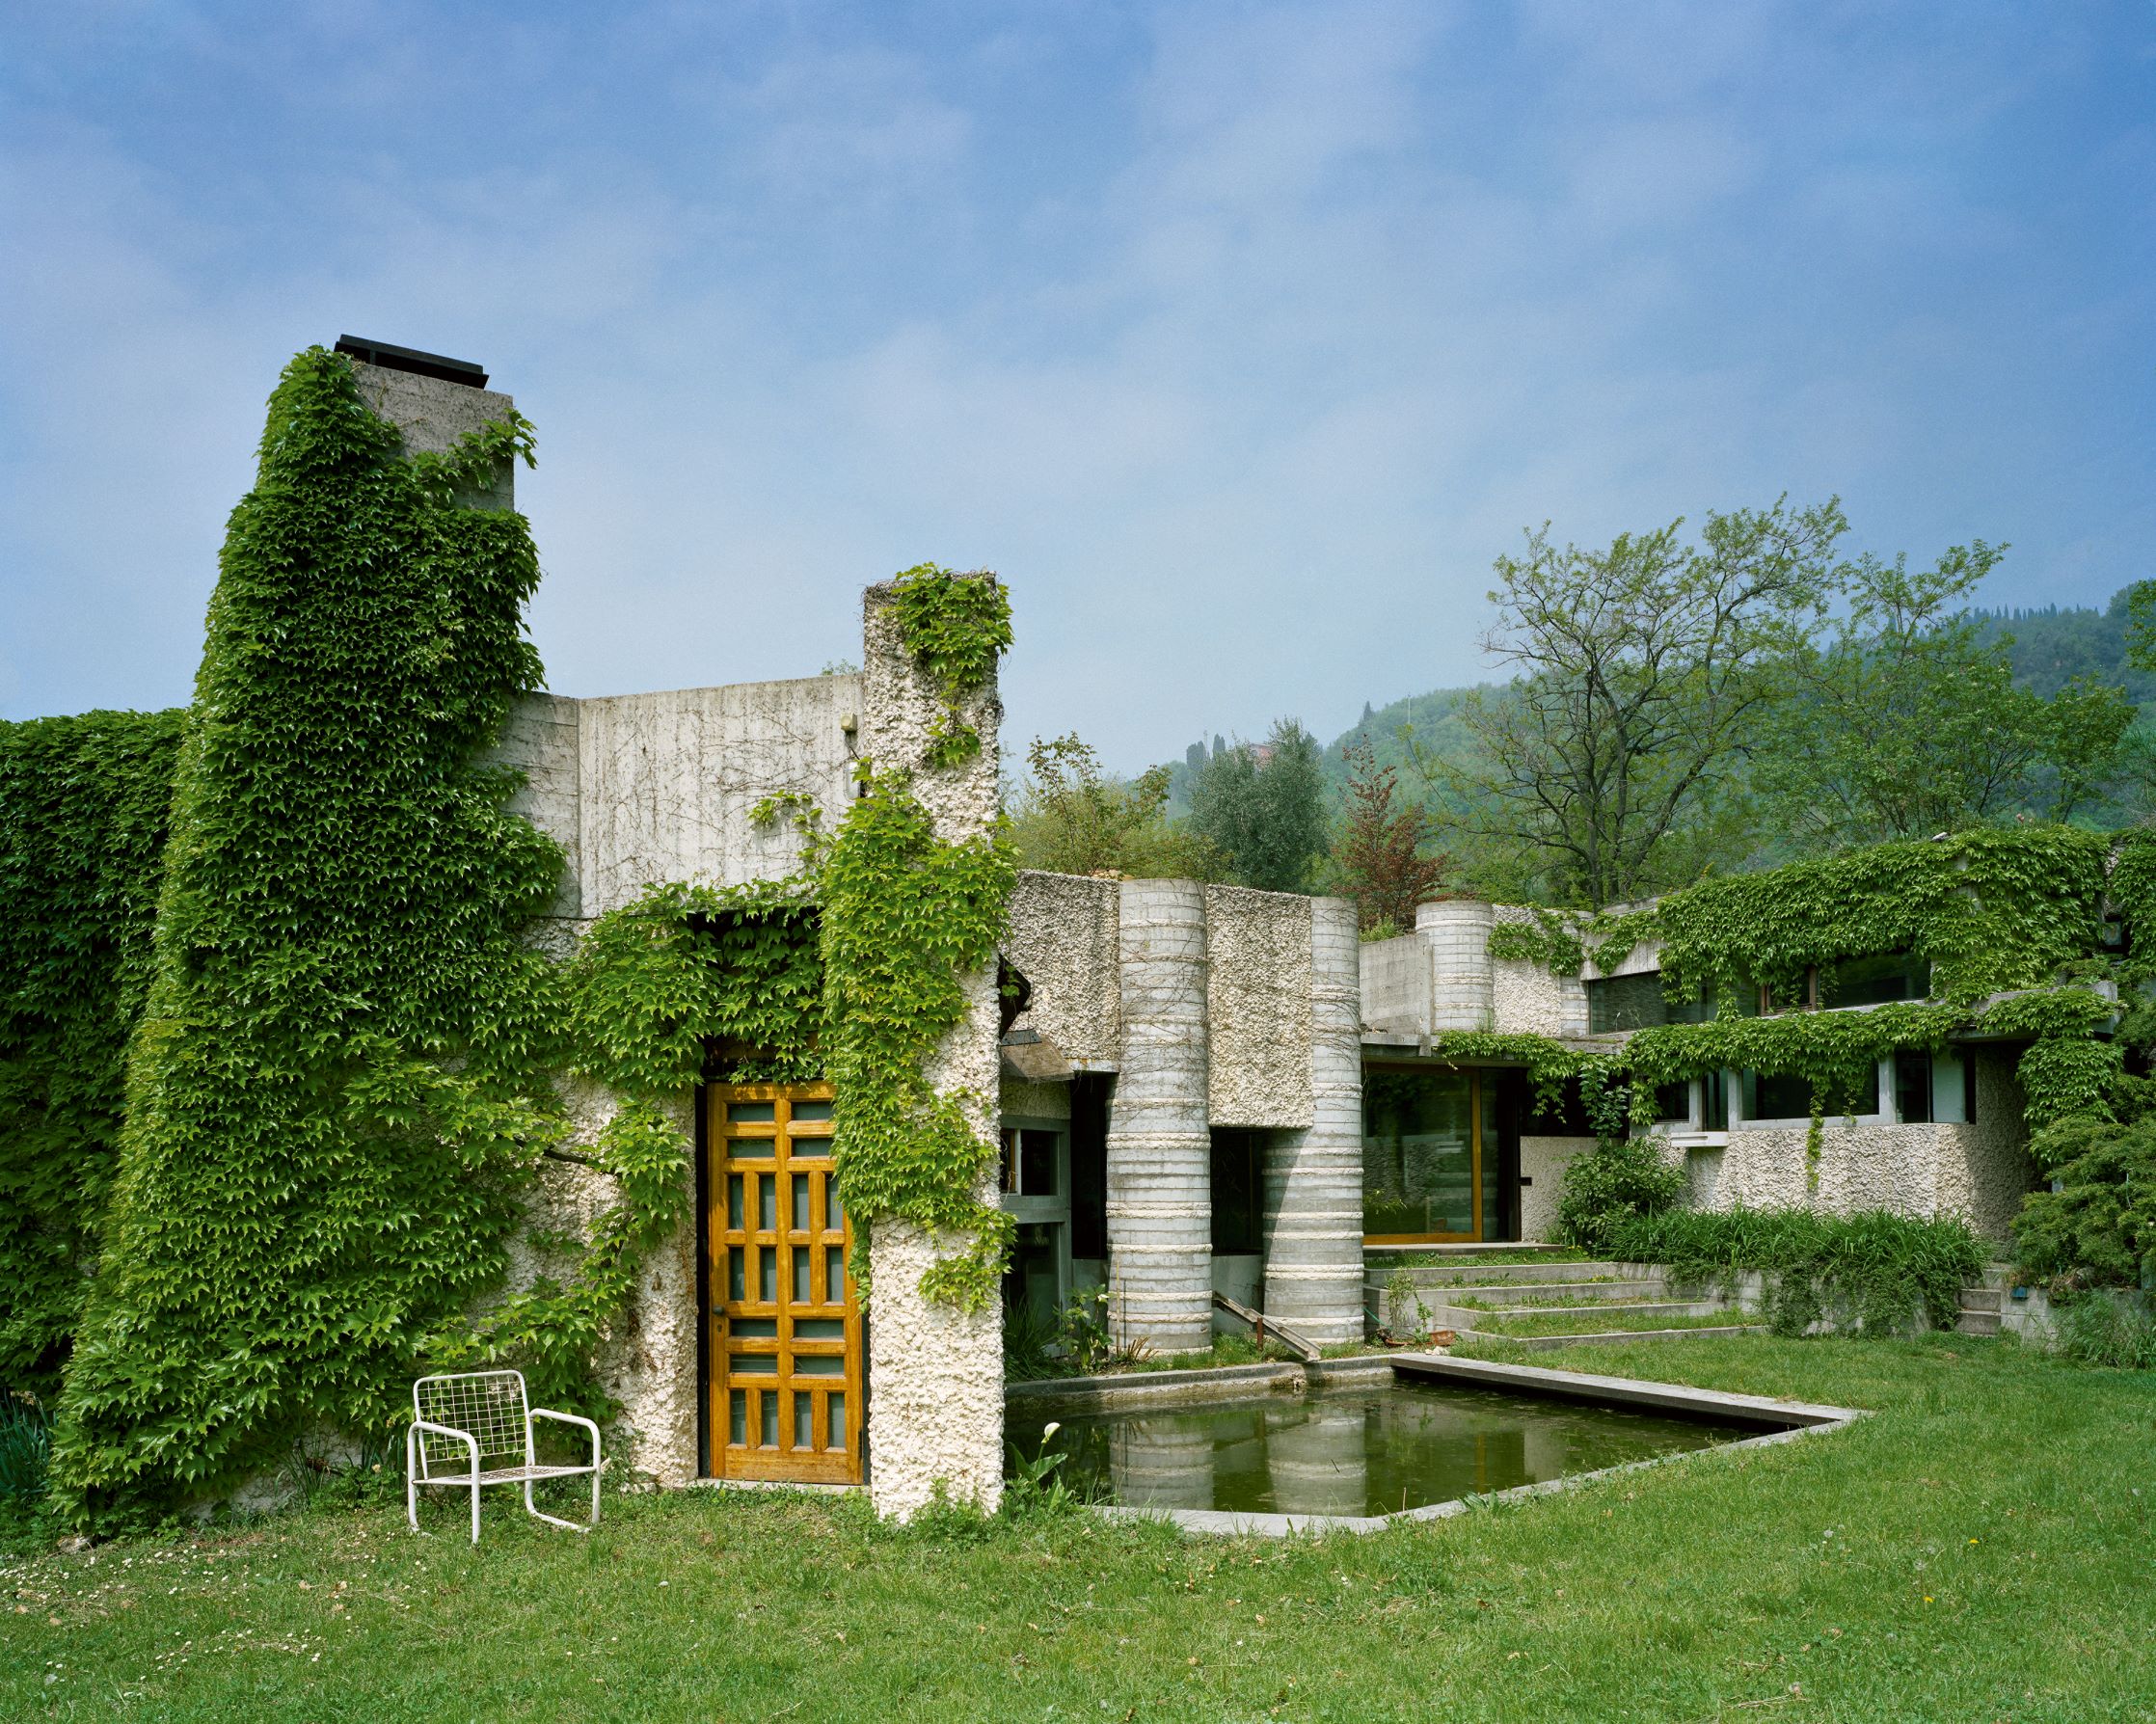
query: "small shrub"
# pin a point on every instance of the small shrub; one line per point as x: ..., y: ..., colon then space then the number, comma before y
x: 1620, y: 1180
x: 2099, y: 1331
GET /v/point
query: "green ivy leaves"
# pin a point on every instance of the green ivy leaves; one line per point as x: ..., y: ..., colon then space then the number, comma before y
x: 956, y: 627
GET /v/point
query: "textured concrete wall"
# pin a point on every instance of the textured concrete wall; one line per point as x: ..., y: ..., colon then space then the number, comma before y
x: 541, y: 742
x: 1984, y: 1168
x: 1313, y: 1178
x: 1458, y: 932
x: 1526, y: 998
x: 936, y: 1373
x: 1160, y: 1171
x: 1544, y: 1160
x: 1396, y: 979
x: 1023, y: 1100
x: 1063, y: 938
x: 1257, y: 1007
x: 667, y: 781
x: 433, y: 413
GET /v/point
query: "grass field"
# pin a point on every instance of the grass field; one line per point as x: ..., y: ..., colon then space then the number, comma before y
x: 1982, y: 1549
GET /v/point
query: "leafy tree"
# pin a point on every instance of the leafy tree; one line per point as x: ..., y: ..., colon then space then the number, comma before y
x: 1641, y: 672
x: 1072, y: 819
x: 1378, y: 856
x: 1263, y: 808
x: 1908, y: 721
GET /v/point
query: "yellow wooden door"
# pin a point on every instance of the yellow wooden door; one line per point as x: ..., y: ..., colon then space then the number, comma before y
x: 786, y: 1326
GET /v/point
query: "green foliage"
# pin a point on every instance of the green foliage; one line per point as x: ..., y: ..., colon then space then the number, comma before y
x: 25, y: 1448
x: 1264, y: 810
x: 905, y: 917
x: 1619, y: 1180
x: 1881, y: 1265
x: 83, y: 814
x: 956, y: 627
x: 2098, y: 1226
x: 2097, y: 1329
x: 1070, y: 817
x: 325, y: 1119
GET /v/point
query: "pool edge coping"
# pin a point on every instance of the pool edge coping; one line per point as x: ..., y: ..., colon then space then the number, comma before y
x: 1798, y: 1419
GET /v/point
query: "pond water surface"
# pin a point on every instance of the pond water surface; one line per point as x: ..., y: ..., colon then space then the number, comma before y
x: 1348, y: 1452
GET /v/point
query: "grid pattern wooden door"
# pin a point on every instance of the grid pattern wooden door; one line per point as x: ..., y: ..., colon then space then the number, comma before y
x: 785, y: 1324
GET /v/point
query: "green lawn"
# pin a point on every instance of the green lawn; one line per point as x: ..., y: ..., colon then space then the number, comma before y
x: 1982, y: 1549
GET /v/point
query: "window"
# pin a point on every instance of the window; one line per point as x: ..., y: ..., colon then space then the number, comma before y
x: 1673, y: 1102
x: 1912, y: 1085
x: 1238, y: 1201
x: 1638, y: 1003
x: 1029, y: 1162
x: 1713, y: 1101
x: 1873, y: 981
x: 1777, y: 1096
x: 1430, y: 1154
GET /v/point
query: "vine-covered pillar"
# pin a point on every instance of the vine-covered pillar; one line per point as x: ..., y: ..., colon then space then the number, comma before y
x: 935, y: 1369
x: 1160, y: 1150
x: 1313, y: 1178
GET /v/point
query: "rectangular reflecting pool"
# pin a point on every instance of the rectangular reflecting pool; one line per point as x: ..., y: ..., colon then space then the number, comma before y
x: 1367, y: 1450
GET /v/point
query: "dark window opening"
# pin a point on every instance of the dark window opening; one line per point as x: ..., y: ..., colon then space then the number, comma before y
x: 1779, y: 1095
x: 1713, y: 1110
x: 1673, y: 1102
x: 1875, y: 980
x: 1089, y: 1164
x: 1238, y: 1200
x: 1565, y: 1118
x: 1638, y: 1003
x: 1969, y: 1084
x: 1912, y: 1085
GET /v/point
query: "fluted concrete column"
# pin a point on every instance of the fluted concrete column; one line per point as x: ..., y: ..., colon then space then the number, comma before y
x: 1457, y: 932
x: 1160, y: 1151
x: 1313, y: 1178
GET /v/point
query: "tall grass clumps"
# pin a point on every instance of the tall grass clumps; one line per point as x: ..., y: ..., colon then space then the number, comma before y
x: 1877, y: 1265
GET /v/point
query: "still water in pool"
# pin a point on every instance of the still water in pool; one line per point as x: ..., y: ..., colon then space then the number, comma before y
x: 1369, y: 1451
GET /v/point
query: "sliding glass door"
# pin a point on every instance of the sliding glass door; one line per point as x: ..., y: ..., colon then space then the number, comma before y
x: 1429, y: 1155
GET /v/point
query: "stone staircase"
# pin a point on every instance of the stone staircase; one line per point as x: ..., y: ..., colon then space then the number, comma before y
x: 1553, y: 1303
x: 1982, y: 1305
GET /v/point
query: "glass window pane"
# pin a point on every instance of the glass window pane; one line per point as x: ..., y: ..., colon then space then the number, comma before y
x: 767, y: 1265
x: 813, y: 1110
x: 767, y: 1202
x: 820, y: 1329
x: 736, y: 1415
x: 1036, y: 1163
x: 1418, y: 1152
x: 834, y: 1274
x: 769, y: 1398
x: 834, y: 1212
x: 755, y: 1364
x: 750, y: 1112
x: 736, y: 1286
x: 801, y: 1261
x: 750, y: 1149
x: 804, y: 1421
x: 801, y: 1202
x: 756, y: 1327
x: 1912, y: 1085
x: 1626, y: 1003
x: 835, y: 1412
x: 819, y: 1364
x: 733, y: 1201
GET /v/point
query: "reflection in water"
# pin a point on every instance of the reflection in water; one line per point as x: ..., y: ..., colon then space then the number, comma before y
x: 1352, y: 1452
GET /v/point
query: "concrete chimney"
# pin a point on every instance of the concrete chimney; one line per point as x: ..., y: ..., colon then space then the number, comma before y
x: 433, y: 400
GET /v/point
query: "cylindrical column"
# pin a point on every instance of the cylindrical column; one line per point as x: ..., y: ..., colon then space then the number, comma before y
x: 1457, y: 932
x: 1160, y: 1153
x: 1313, y: 1178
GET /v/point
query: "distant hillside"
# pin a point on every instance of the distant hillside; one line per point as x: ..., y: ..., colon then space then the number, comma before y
x: 2051, y: 647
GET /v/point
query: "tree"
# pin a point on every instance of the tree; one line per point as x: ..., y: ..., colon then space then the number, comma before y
x: 1072, y: 819
x: 1640, y: 673
x: 1263, y: 808
x: 1908, y: 721
x: 1378, y: 857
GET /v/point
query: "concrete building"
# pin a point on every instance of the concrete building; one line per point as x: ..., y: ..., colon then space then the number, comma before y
x: 1201, y: 1089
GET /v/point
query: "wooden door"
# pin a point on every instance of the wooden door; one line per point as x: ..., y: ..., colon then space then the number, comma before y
x: 786, y: 1326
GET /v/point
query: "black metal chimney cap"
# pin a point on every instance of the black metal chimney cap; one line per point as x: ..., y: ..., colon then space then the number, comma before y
x: 410, y: 359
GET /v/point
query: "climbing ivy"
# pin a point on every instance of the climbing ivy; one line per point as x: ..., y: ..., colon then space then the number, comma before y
x: 956, y: 627
x: 328, y: 1114
x: 83, y: 811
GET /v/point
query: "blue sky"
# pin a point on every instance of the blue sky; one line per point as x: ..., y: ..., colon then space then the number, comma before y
x: 1240, y: 338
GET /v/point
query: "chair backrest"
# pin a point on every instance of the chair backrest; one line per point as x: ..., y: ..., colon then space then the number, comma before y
x: 488, y: 1405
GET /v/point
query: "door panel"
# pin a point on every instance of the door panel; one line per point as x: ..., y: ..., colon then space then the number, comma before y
x: 785, y: 1322
x: 1424, y: 1177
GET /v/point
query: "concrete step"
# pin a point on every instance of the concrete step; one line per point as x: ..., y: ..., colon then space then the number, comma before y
x: 1982, y: 1299
x: 1974, y: 1322
x: 1467, y: 1249
x: 1542, y: 1342
x: 1512, y: 1293
x: 1482, y: 1275
x: 1588, y: 1315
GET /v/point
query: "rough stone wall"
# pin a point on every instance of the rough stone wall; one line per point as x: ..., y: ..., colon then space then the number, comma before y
x: 1160, y: 1168
x: 667, y: 781
x: 1063, y: 938
x: 936, y: 1373
x: 433, y: 413
x: 1544, y: 1160
x: 1313, y: 1178
x: 1526, y: 999
x: 1984, y: 1170
x: 1258, y: 1007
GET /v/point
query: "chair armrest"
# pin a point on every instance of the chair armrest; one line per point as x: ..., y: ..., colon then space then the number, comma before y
x: 466, y: 1438
x: 567, y: 1418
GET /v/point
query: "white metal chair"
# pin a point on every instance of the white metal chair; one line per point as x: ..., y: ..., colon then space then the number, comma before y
x: 466, y: 1419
